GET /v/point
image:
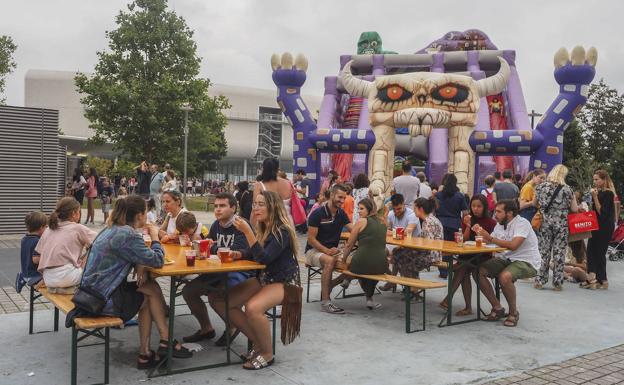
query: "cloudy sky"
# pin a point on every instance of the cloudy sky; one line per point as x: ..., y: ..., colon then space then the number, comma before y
x: 236, y: 38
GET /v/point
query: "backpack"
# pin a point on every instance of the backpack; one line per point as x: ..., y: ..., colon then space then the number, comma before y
x: 489, y: 195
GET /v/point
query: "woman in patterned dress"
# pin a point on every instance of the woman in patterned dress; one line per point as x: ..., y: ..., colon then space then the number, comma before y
x: 360, y: 191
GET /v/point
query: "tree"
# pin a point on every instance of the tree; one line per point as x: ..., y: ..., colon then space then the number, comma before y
x: 574, y: 145
x: 602, y: 121
x: 133, y: 99
x: 101, y: 165
x: 7, y: 65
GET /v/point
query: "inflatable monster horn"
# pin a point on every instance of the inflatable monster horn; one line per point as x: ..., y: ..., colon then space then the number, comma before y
x: 496, y: 83
x: 355, y: 86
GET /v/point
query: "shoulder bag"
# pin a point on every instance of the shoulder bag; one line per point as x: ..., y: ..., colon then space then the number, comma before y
x: 536, y: 222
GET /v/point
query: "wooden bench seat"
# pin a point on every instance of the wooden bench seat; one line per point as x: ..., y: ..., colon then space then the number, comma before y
x: 97, y: 326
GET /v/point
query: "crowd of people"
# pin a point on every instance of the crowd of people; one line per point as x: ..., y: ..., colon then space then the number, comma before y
x: 259, y: 223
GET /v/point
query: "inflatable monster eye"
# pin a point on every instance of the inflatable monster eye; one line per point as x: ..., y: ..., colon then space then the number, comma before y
x: 373, y: 43
x: 393, y: 93
x: 453, y: 93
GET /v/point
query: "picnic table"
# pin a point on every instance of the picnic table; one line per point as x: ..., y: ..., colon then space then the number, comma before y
x: 176, y: 271
x: 455, y: 252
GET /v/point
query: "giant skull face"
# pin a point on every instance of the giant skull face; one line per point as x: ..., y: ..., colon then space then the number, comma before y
x: 422, y: 100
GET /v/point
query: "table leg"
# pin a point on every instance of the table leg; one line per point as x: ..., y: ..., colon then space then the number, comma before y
x: 226, y: 296
x: 449, y: 298
x: 478, y: 266
x: 172, y: 296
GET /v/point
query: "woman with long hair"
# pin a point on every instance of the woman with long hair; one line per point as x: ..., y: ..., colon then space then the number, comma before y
x: 370, y: 256
x: 603, y: 200
x: 245, y: 199
x: 78, y: 185
x: 274, y: 244
x: 92, y: 193
x: 172, y: 205
x: 556, y: 200
x: 118, y: 249
x: 271, y: 181
x: 451, y: 206
x: 61, y: 247
x: 479, y: 215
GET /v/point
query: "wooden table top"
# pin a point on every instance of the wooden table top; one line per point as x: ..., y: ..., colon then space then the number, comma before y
x: 436, y: 245
x: 175, y: 253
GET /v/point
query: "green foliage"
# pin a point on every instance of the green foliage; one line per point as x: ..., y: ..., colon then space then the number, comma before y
x: 7, y: 65
x: 133, y: 100
x: 102, y: 166
x: 124, y: 168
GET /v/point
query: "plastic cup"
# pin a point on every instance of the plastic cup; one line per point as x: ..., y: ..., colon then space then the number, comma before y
x: 190, y: 257
x: 479, y: 241
x: 204, y: 248
x: 400, y: 232
x: 185, y: 240
x: 224, y: 254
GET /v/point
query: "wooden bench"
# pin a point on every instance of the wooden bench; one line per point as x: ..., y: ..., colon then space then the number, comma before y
x: 98, y: 327
x: 420, y: 285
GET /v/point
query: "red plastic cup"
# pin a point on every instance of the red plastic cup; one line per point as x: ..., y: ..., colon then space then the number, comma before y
x: 204, y: 246
x: 190, y: 257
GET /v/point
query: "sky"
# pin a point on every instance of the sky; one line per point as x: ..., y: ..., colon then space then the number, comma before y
x: 236, y: 38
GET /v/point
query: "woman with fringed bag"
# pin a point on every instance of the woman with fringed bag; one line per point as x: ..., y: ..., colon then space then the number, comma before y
x: 275, y: 245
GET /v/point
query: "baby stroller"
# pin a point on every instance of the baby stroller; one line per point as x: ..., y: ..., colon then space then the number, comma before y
x: 615, y: 251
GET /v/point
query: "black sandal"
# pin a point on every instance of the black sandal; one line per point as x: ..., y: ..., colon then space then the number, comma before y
x: 151, y: 360
x: 177, y: 353
x: 495, y: 315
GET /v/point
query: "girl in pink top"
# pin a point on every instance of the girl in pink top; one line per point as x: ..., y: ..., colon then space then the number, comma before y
x: 61, y: 246
x: 92, y: 193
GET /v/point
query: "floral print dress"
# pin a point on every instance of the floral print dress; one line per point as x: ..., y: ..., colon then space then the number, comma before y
x: 410, y: 261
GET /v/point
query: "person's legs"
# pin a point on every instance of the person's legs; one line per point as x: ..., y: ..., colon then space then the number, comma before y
x: 327, y: 262
x: 490, y: 268
x: 153, y: 299
x: 268, y: 297
x: 459, y: 276
x: 560, y: 246
x: 192, y: 293
x: 238, y: 296
x: 145, y: 328
x: 506, y: 282
x: 545, y: 239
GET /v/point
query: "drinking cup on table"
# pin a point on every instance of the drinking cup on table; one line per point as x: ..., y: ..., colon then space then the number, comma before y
x: 479, y: 241
x: 400, y: 232
x: 224, y: 254
x: 190, y: 257
x: 185, y: 240
x: 204, y: 248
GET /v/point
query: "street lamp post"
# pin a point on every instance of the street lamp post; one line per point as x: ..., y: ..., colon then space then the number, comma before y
x: 186, y: 108
x: 534, y: 115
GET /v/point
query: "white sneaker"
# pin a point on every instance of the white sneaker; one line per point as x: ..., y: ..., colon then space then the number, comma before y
x: 331, y: 308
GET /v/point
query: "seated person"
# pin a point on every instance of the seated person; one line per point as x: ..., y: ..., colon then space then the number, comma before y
x: 187, y: 225
x: 370, y: 256
x: 324, y: 227
x: 117, y: 249
x: 172, y: 205
x: 61, y: 247
x: 479, y: 215
x: 275, y: 245
x: 410, y: 261
x: 36, y: 223
x: 522, y: 260
x: 400, y: 216
x: 320, y: 199
x: 223, y: 234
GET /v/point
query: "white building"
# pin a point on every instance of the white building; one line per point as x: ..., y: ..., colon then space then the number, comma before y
x: 256, y: 128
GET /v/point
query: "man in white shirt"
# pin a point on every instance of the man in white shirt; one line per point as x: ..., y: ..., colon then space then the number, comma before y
x: 522, y: 260
x: 424, y: 191
x: 406, y: 185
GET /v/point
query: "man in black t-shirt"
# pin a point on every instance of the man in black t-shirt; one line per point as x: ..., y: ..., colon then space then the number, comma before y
x: 324, y: 227
x: 224, y: 234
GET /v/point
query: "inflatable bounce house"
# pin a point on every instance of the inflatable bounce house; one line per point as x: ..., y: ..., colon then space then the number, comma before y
x: 456, y: 104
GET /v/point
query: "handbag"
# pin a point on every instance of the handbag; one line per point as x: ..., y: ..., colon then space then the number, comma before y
x: 536, y: 222
x: 583, y: 222
x: 292, y: 303
x: 296, y: 208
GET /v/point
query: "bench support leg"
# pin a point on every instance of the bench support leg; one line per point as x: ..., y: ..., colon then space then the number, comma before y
x: 74, y: 356
x: 56, y: 319
x: 106, y: 353
x: 274, y: 327
x: 32, y: 310
x: 407, y: 293
x: 308, y: 287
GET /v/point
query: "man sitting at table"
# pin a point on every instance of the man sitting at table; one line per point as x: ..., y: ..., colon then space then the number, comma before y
x: 324, y: 227
x: 523, y: 259
x: 224, y: 234
x: 400, y: 216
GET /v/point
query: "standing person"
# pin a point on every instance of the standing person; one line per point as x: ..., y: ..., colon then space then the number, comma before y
x: 424, y: 191
x: 451, y: 207
x: 117, y: 182
x: 556, y: 200
x: 360, y: 191
x: 479, y: 215
x: 61, y: 247
x: 275, y: 245
x: 245, y: 199
x: 349, y: 204
x: 527, y: 194
x: 106, y: 197
x: 302, y: 185
x: 92, y: 193
x: 324, y: 227
x: 522, y: 260
x: 370, y: 256
x: 144, y: 176
x: 170, y: 181
x: 406, y: 185
x: 118, y: 249
x: 331, y: 179
x: 488, y: 193
x: 78, y: 185
x: 270, y: 181
x: 506, y: 189
x: 603, y: 201
x: 156, y: 182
